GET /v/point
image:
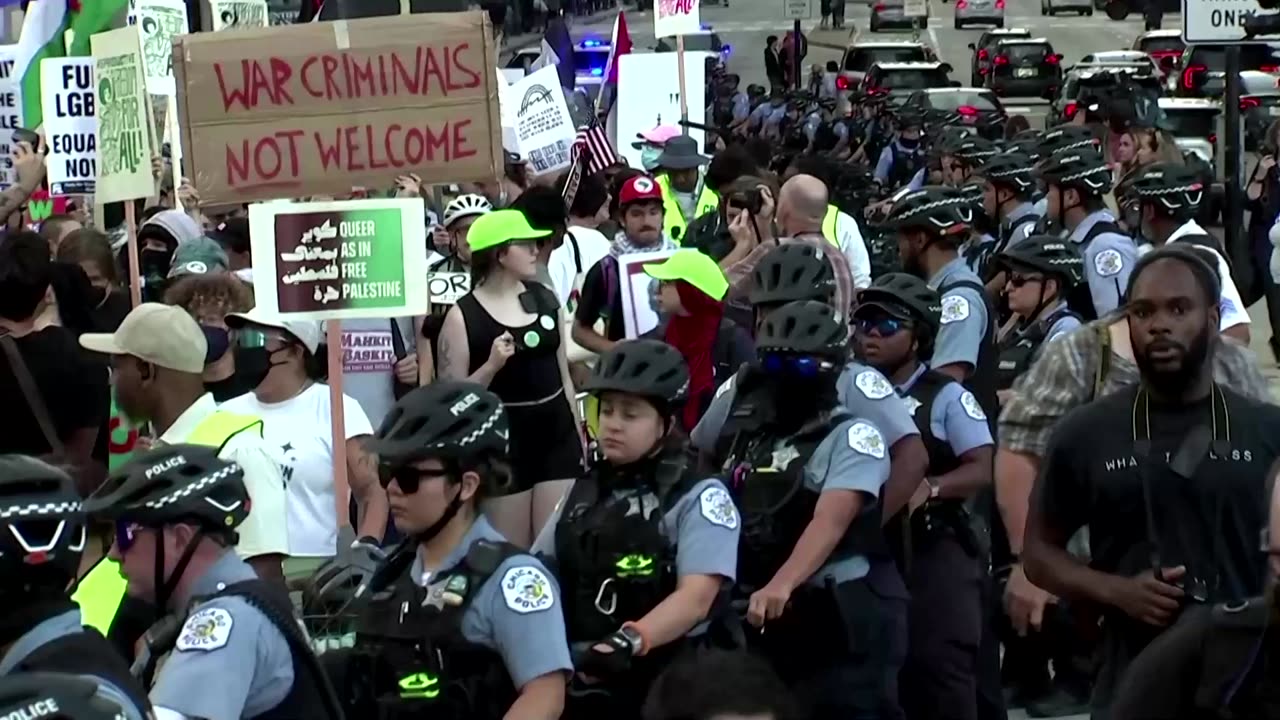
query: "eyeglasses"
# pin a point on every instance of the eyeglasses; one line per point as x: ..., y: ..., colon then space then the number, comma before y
x: 126, y: 534
x: 408, y: 478
x: 776, y: 363
x: 883, y: 326
x: 1020, y: 280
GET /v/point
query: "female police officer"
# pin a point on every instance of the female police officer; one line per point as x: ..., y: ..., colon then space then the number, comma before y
x: 896, y: 322
x: 644, y: 544
x: 807, y: 476
x: 1039, y: 274
x: 460, y: 623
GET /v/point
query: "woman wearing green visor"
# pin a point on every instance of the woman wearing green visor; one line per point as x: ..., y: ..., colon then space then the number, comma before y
x: 505, y: 335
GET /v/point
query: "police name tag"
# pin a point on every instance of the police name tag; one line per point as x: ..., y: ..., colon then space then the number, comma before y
x: 207, y: 629
x: 526, y: 589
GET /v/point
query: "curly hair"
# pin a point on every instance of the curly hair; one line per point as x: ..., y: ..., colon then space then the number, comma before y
x: 215, y: 293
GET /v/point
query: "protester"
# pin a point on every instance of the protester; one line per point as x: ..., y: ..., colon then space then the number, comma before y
x: 91, y: 250
x: 230, y: 362
x: 584, y: 244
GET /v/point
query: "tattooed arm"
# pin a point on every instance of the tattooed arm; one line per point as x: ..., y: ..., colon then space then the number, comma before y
x: 371, y: 500
x: 455, y: 353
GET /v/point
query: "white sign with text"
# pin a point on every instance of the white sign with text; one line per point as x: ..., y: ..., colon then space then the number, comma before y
x: 10, y: 113
x: 649, y: 96
x: 1218, y: 21
x: 67, y: 99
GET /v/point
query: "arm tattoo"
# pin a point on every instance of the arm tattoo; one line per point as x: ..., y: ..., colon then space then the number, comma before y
x: 444, y: 365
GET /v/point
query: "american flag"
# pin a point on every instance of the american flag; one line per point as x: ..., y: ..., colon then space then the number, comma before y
x: 593, y: 140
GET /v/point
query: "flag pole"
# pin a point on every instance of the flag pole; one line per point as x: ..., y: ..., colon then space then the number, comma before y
x: 684, y: 105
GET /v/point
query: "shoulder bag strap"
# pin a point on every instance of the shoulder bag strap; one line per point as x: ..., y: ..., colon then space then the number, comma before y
x: 1104, y: 362
x: 32, y: 393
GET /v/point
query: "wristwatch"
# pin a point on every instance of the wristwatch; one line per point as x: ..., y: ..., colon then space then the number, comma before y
x: 633, y: 637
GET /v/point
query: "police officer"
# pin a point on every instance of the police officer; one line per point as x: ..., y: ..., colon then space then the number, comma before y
x: 1008, y: 181
x: 1067, y: 136
x: 964, y: 155
x: 807, y: 477
x: 233, y: 644
x: 644, y: 544
x: 931, y: 223
x: 42, y: 536
x: 1168, y: 197
x: 459, y: 622
x: 903, y: 158
x: 896, y: 321
x: 1168, y: 475
x: 793, y: 272
x: 1040, y: 274
x: 1077, y: 178
x: 59, y: 696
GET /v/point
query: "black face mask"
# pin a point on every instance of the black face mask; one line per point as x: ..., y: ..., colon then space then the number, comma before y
x: 909, y: 143
x: 218, y: 340
x: 154, y: 263
x: 253, y: 364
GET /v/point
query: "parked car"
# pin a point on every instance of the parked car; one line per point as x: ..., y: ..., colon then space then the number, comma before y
x: 982, y: 51
x: 979, y: 12
x: 1025, y: 68
x: 1164, y: 46
x: 860, y: 57
x: 978, y: 108
x: 1202, y: 70
x: 1120, y: 57
x: 1079, y: 7
x: 889, y: 14
x: 900, y: 79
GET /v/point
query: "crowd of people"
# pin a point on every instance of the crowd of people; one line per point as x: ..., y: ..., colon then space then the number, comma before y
x: 979, y: 431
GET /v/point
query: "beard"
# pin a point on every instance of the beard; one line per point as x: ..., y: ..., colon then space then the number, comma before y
x: 1173, y: 381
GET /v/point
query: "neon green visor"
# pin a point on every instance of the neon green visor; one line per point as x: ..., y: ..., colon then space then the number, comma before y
x: 501, y: 227
x: 693, y: 267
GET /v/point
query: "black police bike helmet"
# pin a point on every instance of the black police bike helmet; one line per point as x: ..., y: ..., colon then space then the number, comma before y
x: 790, y: 272
x: 974, y: 150
x: 43, y: 532
x: 1173, y: 188
x: 1067, y: 137
x: 1011, y: 169
x: 647, y: 368
x: 446, y: 420
x: 1028, y: 143
x: 1082, y: 169
x: 937, y: 209
x: 1047, y: 254
x: 908, y: 292
x: 57, y: 696
x: 174, y: 484
x: 804, y: 327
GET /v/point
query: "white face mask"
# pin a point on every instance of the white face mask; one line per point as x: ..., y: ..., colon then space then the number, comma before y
x: 245, y: 274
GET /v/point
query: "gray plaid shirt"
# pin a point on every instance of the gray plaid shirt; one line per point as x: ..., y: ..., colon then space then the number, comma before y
x: 1063, y: 377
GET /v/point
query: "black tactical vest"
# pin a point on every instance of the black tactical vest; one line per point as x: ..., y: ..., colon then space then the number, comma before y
x: 86, y: 653
x: 1018, y: 350
x: 1079, y: 298
x: 615, y: 564
x: 904, y: 165
x: 411, y: 659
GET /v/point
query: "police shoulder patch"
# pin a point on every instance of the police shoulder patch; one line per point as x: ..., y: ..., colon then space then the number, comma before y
x: 971, y: 406
x: 954, y: 309
x: 527, y: 589
x: 207, y: 629
x: 1108, y: 263
x: 873, y: 385
x: 866, y: 439
x: 717, y: 507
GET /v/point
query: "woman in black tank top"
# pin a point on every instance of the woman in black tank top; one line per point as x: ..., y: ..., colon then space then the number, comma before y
x: 505, y: 334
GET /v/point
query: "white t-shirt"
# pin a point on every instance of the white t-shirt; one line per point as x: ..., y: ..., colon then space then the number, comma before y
x: 849, y: 237
x: 1231, y: 306
x: 300, y: 427
x: 592, y: 245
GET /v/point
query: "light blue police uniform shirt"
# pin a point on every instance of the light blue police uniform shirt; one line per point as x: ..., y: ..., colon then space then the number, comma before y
x: 1041, y: 206
x: 811, y: 123
x: 230, y: 661
x: 702, y: 525
x: 850, y: 458
x: 1108, y: 261
x: 955, y: 418
x: 758, y: 115
x: 1064, y: 324
x: 1023, y: 231
x: 866, y: 393
x: 517, y: 612
x: 54, y: 628
x: 741, y: 105
x: 964, y: 317
x: 774, y: 118
x: 884, y: 165
x: 985, y: 241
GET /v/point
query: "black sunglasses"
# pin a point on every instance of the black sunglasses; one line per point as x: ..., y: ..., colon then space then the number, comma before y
x: 407, y: 477
x: 883, y: 326
x: 1020, y: 280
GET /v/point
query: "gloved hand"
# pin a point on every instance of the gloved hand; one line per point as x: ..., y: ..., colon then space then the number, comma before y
x: 1274, y: 235
x: 611, y: 656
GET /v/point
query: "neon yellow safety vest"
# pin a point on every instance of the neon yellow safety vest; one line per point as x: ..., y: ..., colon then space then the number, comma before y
x: 99, y: 593
x: 673, y: 221
x: 829, y: 225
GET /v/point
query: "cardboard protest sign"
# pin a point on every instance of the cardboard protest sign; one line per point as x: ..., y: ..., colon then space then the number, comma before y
x: 124, y: 139
x: 321, y: 108
x: 67, y: 101
x: 676, y: 17
x: 447, y: 288
x: 649, y: 95
x: 351, y: 259
x: 544, y: 131
x: 10, y: 113
x: 158, y: 22
x: 639, y: 291
x: 225, y: 14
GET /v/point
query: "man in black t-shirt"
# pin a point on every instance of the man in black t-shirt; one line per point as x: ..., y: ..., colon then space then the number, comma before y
x: 72, y: 385
x: 1169, y: 476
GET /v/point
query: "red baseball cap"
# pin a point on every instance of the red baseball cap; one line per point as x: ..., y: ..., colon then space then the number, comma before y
x: 638, y: 189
